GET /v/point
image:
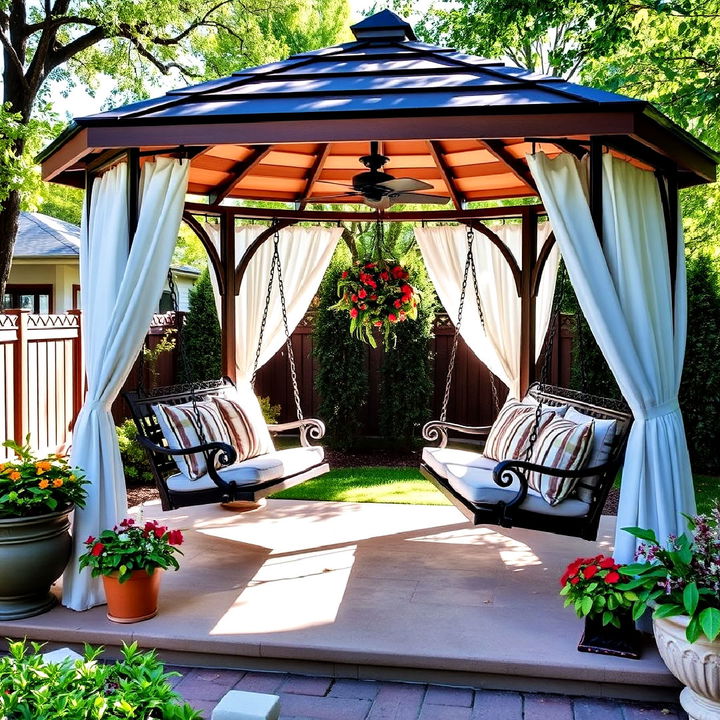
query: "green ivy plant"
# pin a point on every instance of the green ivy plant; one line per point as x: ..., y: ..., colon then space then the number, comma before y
x: 681, y: 578
x: 134, y: 687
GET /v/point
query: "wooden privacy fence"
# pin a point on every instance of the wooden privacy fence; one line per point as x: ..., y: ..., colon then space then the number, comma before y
x: 41, y: 371
x: 470, y: 397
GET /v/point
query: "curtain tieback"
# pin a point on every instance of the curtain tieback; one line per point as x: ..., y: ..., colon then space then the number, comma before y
x: 665, y: 408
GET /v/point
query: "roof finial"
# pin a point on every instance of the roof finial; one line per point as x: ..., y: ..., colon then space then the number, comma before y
x: 385, y: 25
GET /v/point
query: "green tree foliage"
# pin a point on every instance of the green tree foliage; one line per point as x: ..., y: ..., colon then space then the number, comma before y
x: 61, y: 201
x: 201, y: 334
x: 341, y: 378
x: 405, y: 377
x: 700, y: 387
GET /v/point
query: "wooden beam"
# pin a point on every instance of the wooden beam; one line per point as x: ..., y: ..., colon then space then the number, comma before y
x: 238, y: 172
x: 516, y: 166
x: 508, y: 211
x: 540, y: 263
x: 227, y: 300
x: 436, y: 152
x: 133, y: 189
x: 210, y: 248
x: 314, y: 172
x: 596, y: 186
x: 527, y: 301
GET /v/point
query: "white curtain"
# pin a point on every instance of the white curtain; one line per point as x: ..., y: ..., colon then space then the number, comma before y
x: 624, y: 290
x: 121, y: 290
x: 444, y: 250
x: 305, y: 253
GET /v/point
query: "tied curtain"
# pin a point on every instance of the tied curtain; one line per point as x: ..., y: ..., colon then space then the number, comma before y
x: 444, y: 250
x: 625, y: 291
x: 305, y: 253
x: 121, y: 286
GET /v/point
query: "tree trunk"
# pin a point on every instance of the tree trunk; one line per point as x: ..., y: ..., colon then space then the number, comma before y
x: 9, y: 216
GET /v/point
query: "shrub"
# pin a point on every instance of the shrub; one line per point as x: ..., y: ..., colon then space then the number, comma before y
x: 201, y: 334
x: 134, y: 687
x: 341, y: 377
x: 134, y: 459
x: 405, y: 377
x: 270, y: 412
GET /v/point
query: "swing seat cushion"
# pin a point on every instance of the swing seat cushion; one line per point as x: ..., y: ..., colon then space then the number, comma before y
x: 273, y: 466
x: 477, y: 485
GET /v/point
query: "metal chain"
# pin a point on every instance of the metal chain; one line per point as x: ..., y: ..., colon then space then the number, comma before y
x: 268, y: 295
x: 547, y: 360
x: 141, y: 389
x: 185, y: 362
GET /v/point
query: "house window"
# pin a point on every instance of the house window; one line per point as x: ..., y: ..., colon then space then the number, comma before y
x: 37, y: 299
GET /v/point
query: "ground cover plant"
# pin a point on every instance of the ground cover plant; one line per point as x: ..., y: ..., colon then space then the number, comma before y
x: 134, y: 687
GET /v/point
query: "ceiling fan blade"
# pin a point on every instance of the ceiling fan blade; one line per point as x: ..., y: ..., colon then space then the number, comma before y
x: 419, y: 198
x: 331, y: 198
x: 404, y: 185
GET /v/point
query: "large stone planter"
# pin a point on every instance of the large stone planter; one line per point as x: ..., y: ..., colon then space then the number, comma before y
x: 696, y: 665
x: 33, y: 554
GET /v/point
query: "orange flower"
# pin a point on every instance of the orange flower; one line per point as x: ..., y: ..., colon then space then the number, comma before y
x: 42, y: 466
x: 14, y: 475
x: 57, y: 482
x: 43, y: 483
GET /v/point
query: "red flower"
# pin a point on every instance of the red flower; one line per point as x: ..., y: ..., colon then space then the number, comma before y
x: 373, y: 297
x: 344, y: 275
x: 354, y: 298
x: 406, y: 290
x: 362, y: 293
x: 159, y: 531
x: 607, y: 563
x: 377, y: 323
x: 97, y: 549
x: 384, y: 275
x: 398, y: 303
x: 392, y: 317
x: 370, y: 265
x: 362, y: 306
x: 372, y: 284
x: 90, y: 540
x: 175, y: 537
x: 353, y: 312
x: 612, y: 577
x: 397, y: 272
x: 575, y: 581
x: 589, y: 571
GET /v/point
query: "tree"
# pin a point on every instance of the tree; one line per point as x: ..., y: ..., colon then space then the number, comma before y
x: 135, y: 42
x: 200, y: 336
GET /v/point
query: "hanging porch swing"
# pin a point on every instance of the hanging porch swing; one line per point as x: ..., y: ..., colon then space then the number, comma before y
x: 548, y: 462
x: 207, y: 442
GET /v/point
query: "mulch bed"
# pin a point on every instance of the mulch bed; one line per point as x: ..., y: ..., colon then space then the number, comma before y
x: 337, y: 459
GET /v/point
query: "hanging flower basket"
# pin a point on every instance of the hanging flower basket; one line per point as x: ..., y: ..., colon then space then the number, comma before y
x: 376, y: 295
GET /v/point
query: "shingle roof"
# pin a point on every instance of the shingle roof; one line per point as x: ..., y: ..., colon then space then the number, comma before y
x: 44, y: 236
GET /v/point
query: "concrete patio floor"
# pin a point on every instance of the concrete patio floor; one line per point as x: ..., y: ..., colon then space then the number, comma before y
x: 368, y: 591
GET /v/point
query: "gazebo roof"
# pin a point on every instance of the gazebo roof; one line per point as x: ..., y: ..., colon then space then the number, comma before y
x: 292, y: 130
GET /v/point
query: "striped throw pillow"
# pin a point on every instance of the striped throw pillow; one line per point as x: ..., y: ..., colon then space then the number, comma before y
x: 180, y: 425
x: 509, y: 436
x: 244, y: 419
x: 561, y: 444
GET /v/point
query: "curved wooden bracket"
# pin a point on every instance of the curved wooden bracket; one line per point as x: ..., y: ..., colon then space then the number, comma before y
x: 542, y: 259
x: 210, y: 248
x: 254, y: 247
x: 502, y: 247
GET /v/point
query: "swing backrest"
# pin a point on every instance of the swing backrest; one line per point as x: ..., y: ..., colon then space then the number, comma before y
x: 146, y: 421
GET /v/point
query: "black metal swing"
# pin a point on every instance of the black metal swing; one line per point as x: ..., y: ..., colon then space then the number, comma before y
x: 259, y: 476
x: 492, y: 493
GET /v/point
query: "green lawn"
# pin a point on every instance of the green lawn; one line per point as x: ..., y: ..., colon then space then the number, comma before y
x: 368, y: 484
x: 407, y: 486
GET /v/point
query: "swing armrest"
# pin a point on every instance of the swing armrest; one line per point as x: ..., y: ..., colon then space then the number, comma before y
x: 437, y: 430
x: 225, y: 453
x: 308, y: 426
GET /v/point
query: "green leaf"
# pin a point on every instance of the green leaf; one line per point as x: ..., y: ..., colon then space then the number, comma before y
x: 710, y: 623
x: 691, y: 596
x: 586, y: 605
x: 642, y: 534
x: 694, y: 630
x: 668, y: 610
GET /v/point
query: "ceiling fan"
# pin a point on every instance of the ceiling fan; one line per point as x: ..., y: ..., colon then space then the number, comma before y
x: 379, y: 189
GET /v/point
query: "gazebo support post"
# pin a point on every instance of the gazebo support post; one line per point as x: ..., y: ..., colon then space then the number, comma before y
x: 527, y: 299
x: 133, y: 183
x: 227, y: 299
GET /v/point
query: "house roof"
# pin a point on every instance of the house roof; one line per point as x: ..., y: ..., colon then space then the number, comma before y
x: 293, y: 130
x: 44, y: 236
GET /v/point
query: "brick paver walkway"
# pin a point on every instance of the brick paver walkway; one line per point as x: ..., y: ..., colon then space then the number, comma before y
x: 314, y: 698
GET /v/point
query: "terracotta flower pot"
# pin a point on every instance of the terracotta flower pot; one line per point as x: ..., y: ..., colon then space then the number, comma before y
x: 33, y: 553
x: 134, y: 600
x: 696, y: 665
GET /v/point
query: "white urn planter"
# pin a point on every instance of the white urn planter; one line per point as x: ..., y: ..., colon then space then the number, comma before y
x: 696, y: 665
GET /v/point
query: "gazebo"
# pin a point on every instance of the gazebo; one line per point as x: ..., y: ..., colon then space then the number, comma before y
x: 606, y: 169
